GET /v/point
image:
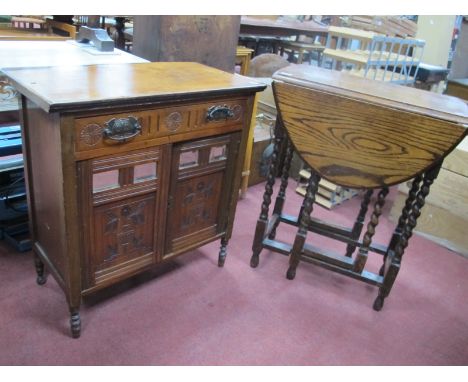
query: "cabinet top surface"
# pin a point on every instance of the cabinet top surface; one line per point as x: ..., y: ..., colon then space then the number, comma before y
x: 71, y: 88
x: 388, y: 95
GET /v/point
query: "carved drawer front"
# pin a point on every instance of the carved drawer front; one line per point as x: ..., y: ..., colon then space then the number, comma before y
x: 105, y: 131
x: 181, y: 119
x: 121, y: 199
x: 175, y: 120
x: 198, y: 197
x: 221, y: 113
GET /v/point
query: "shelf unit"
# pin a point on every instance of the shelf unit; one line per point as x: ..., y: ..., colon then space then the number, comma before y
x: 373, y: 55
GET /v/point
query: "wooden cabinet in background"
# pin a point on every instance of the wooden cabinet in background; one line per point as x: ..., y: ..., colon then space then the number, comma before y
x: 128, y: 166
x: 210, y: 40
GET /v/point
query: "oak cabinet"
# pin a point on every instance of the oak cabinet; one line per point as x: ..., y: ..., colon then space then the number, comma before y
x: 121, y: 178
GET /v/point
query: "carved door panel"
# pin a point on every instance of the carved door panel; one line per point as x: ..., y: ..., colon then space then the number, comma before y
x: 198, y: 198
x: 123, y: 234
x: 121, y: 208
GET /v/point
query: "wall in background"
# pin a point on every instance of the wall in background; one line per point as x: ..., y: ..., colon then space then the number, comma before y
x: 437, y: 31
x: 460, y: 58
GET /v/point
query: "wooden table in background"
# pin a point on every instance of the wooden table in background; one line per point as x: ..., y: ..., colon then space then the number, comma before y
x: 281, y: 28
x: 275, y: 31
x: 20, y: 54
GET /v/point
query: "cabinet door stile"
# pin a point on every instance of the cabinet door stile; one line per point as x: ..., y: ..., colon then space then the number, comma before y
x: 85, y: 176
x: 163, y: 201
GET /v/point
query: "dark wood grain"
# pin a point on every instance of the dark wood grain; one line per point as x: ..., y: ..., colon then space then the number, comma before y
x: 358, y: 144
x: 376, y: 92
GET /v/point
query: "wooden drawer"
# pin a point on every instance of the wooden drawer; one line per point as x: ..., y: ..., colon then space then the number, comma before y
x: 116, y: 133
x: 182, y: 119
x: 104, y: 131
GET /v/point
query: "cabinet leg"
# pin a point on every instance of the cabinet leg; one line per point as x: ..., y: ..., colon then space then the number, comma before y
x: 40, y: 271
x: 222, y: 252
x: 75, y: 322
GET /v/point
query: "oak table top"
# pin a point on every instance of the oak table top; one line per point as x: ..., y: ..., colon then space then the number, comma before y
x: 361, y: 133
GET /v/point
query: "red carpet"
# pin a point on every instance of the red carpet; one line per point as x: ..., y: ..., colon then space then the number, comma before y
x: 190, y: 312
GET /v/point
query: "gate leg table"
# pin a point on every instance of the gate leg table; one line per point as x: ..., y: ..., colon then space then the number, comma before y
x: 361, y: 134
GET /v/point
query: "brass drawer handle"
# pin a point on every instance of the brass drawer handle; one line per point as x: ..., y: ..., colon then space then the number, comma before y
x: 122, y: 129
x: 219, y: 112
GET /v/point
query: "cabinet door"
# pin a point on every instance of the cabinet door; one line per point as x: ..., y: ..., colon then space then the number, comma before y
x: 201, y: 185
x: 122, y: 204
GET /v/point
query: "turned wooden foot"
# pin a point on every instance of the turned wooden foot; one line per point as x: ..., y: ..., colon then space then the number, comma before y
x: 254, y: 260
x: 222, y: 253
x: 378, y: 303
x: 40, y: 271
x: 75, y: 323
x: 291, y: 273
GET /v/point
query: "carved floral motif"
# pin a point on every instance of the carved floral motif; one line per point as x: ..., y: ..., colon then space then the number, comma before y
x: 237, y: 110
x: 195, y: 200
x: 91, y: 134
x: 173, y: 121
x: 123, y: 225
